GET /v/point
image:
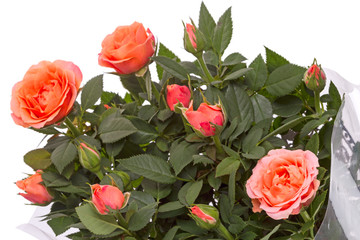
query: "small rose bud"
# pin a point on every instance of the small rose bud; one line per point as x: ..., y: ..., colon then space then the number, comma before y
x: 35, y: 191
x: 315, y: 78
x: 89, y: 158
x: 205, y: 216
x: 107, y: 197
x: 193, y: 39
x: 207, y: 120
x: 177, y: 94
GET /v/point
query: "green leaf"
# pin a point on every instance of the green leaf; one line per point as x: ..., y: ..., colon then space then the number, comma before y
x: 213, y: 181
x: 193, y: 192
x: 251, y: 139
x: 256, y: 152
x: 313, y: 144
x: 287, y: 106
x: 181, y: 153
x: 206, y: 24
x: 274, y: 60
x: 171, y: 66
x: 313, y: 124
x: 38, y: 159
x: 60, y: 224
x: 202, y: 159
x: 171, y: 233
x: 227, y: 166
x: 238, y: 104
x: 237, y: 74
x: 131, y: 83
x: 284, y: 79
x: 115, y: 127
x: 267, y: 236
x: 223, y: 32
x: 52, y: 179
x: 91, y: 92
x: 95, y: 222
x: 149, y: 166
x: 262, y: 107
x: 317, y: 204
x: 145, y: 132
x: 233, y: 59
x: 170, y: 206
x: 142, y: 217
x: 63, y: 155
x: 157, y: 190
x: 256, y: 78
x: 335, y: 102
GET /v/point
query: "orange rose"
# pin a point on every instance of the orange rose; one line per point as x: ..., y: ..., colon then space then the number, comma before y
x: 283, y: 181
x: 35, y: 191
x: 106, y: 196
x: 46, y: 94
x: 127, y: 49
x: 177, y: 94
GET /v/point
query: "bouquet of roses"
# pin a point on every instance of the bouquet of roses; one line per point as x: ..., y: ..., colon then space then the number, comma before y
x: 213, y: 149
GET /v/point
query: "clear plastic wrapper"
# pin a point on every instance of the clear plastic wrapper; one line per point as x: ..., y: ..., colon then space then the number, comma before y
x: 342, y: 217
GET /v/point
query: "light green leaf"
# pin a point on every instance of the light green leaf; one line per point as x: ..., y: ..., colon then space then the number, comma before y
x: 38, y: 159
x: 149, y: 166
x: 95, y: 222
x: 91, y: 92
x: 284, y: 79
x: 227, y: 166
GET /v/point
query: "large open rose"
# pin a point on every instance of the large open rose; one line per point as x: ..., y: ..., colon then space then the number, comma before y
x: 283, y: 181
x: 127, y: 49
x: 46, y: 94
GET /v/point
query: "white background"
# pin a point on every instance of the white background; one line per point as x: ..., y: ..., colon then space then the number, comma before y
x: 32, y: 31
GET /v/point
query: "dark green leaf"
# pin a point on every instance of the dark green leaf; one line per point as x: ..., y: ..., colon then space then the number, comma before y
x: 170, y: 206
x: 63, y: 155
x: 251, y: 139
x: 223, y: 32
x: 274, y: 60
x: 38, y: 159
x: 60, y: 224
x: 181, y: 153
x: 317, y: 203
x: 157, y: 190
x: 227, y: 166
x: 267, y: 236
x: 206, y: 24
x: 171, y: 233
x: 193, y: 192
x: 213, y: 181
x: 145, y: 132
x: 171, y: 66
x: 256, y: 78
x: 237, y: 74
x: 91, y: 92
x: 151, y: 167
x: 284, y: 79
x: 313, y: 144
x: 335, y: 102
x: 115, y: 127
x: 233, y: 59
x: 287, y: 106
x: 142, y: 217
x: 262, y: 107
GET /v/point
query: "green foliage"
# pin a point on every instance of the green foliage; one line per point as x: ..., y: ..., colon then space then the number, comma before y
x: 153, y: 154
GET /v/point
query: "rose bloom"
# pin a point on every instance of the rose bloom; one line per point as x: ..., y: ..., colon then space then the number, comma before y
x: 35, y: 191
x: 283, y: 181
x: 177, y: 93
x: 106, y: 196
x: 205, y: 118
x: 127, y: 49
x: 46, y: 94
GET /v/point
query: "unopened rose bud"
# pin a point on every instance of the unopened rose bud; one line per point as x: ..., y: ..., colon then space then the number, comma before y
x: 205, y: 216
x: 207, y: 120
x: 177, y: 94
x: 89, y: 158
x: 193, y: 39
x: 315, y: 78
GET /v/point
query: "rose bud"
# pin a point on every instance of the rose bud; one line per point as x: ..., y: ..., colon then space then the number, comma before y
x: 177, y: 94
x: 89, y: 158
x: 107, y: 197
x: 193, y: 39
x: 35, y: 191
x: 46, y: 94
x: 205, y: 216
x: 128, y: 49
x: 315, y: 78
x: 283, y: 182
x: 207, y: 120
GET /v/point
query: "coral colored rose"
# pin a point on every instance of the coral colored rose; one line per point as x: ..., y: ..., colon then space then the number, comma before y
x: 106, y: 196
x: 190, y: 29
x: 283, y: 181
x: 205, y: 118
x: 177, y: 93
x: 205, y: 216
x: 127, y: 49
x: 315, y: 78
x: 35, y: 191
x: 46, y: 94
